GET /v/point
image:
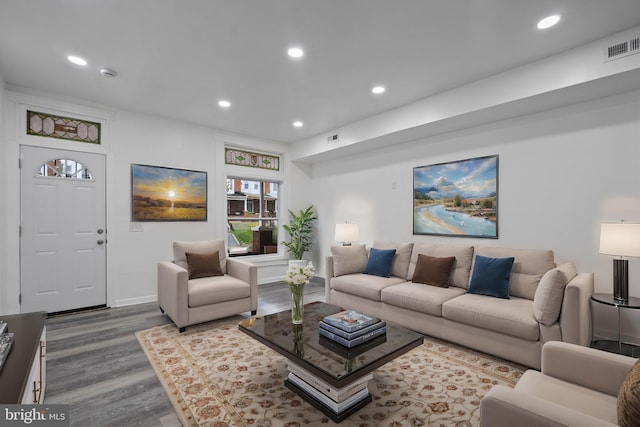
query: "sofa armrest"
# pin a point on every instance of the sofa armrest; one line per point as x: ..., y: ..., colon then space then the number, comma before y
x: 595, y: 369
x: 505, y: 407
x: 247, y: 272
x: 328, y: 275
x: 173, y: 292
x: 575, y: 317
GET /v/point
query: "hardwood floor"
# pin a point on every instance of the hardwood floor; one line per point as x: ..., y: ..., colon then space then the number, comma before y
x: 95, y: 364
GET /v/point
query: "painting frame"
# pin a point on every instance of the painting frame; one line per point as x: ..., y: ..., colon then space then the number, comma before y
x: 457, y: 198
x: 161, y: 193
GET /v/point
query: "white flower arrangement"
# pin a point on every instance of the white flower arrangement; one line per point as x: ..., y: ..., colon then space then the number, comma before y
x: 297, y: 275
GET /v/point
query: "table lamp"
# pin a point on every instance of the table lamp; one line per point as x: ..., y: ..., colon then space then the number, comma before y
x: 623, y: 240
x: 347, y: 233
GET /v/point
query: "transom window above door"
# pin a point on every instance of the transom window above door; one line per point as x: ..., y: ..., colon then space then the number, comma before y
x: 64, y: 168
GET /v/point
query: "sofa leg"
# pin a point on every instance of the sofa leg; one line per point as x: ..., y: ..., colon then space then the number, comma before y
x: 254, y: 312
x: 161, y: 310
x: 181, y: 330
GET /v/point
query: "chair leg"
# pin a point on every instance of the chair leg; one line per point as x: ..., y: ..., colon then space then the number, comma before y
x: 181, y: 330
x: 254, y: 312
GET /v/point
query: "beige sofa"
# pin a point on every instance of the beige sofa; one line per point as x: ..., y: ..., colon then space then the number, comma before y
x: 578, y: 386
x: 514, y: 329
x: 189, y: 301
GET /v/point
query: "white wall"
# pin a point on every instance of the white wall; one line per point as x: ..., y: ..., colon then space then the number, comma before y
x: 128, y: 138
x: 3, y: 206
x: 561, y: 173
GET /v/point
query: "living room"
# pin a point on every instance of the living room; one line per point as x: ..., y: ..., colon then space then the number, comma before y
x: 564, y: 128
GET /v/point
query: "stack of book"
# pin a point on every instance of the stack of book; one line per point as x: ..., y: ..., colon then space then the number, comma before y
x: 6, y: 341
x: 338, y: 399
x: 351, y: 328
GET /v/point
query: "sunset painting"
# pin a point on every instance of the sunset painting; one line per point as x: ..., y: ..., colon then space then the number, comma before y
x: 457, y: 198
x: 167, y: 194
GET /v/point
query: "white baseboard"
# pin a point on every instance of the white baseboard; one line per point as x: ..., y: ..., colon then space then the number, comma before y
x: 137, y: 300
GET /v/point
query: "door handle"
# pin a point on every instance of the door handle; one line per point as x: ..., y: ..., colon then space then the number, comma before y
x: 100, y: 231
x: 100, y: 241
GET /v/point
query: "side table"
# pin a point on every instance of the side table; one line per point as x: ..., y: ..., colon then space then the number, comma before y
x: 616, y: 346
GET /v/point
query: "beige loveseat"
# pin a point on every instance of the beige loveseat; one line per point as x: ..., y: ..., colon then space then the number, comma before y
x: 546, y: 302
x: 232, y: 289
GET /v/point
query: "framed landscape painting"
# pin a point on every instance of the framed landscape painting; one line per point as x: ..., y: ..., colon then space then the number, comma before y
x: 457, y: 198
x: 167, y: 194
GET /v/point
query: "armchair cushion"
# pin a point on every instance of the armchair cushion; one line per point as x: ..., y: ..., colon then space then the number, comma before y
x: 203, y: 265
x: 180, y: 249
x: 628, y: 407
x: 216, y: 289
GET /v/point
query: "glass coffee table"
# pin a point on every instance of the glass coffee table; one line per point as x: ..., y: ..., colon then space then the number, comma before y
x: 329, y: 376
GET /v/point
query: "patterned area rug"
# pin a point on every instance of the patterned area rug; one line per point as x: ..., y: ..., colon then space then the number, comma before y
x: 217, y: 376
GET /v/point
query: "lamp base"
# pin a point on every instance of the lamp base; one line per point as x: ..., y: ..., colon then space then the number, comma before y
x: 621, y: 279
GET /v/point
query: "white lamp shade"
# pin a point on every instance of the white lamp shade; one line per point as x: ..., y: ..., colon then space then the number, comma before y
x: 620, y: 239
x: 347, y: 232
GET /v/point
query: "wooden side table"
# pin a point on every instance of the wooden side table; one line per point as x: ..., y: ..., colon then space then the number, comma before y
x: 616, y: 346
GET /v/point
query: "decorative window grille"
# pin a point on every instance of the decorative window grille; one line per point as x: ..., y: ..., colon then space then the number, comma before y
x: 238, y: 157
x: 64, y: 168
x: 49, y: 125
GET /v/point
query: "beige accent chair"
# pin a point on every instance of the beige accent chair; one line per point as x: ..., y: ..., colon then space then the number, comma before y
x: 578, y: 386
x: 190, y: 301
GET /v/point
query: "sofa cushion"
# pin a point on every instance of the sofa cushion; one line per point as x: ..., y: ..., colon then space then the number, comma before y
x: 433, y: 271
x: 528, y: 267
x: 364, y: 285
x: 180, y: 249
x: 461, y: 267
x: 628, y: 404
x: 547, y: 301
x: 491, y: 276
x: 203, y: 265
x: 508, y: 316
x: 348, y: 259
x: 400, y: 265
x: 419, y: 297
x: 215, y: 289
x: 379, y: 263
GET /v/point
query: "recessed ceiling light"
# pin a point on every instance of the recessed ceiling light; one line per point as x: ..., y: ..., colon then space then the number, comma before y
x: 298, y: 124
x: 295, y: 52
x: 224, y: 103
x: 77, y: 60
x: 548, y: 22
x: 378, y: 89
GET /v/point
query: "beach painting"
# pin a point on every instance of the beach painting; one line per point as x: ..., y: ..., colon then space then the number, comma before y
x: 457, y: 198
x: 167, y: 194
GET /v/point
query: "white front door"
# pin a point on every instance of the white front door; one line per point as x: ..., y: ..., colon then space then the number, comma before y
x: 63, y: 234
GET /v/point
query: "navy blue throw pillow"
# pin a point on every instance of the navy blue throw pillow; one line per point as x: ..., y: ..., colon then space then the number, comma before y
x: 491, y: 276
x: 379, y: 263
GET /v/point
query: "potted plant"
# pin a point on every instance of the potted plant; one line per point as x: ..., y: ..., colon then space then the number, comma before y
x: 299, y: 230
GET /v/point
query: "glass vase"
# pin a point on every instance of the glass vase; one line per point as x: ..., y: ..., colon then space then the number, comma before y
x: 297, y: 303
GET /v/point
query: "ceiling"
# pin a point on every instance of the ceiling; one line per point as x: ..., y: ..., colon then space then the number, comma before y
x: 177, y: 58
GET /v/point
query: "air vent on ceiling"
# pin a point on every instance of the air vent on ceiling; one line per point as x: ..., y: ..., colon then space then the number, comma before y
x: 622, y: 49
x: 333, y: 138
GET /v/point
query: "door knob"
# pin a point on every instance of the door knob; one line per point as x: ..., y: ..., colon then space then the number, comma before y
x: 100, y: 231
x: 100, y: 241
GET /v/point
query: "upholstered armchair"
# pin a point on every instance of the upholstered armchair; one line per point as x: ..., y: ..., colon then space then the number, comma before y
x: 578, y: 386
x: 202, y: 284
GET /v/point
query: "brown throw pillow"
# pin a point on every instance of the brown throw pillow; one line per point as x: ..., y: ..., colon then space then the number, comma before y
x: 629, y: 398
x: 433, y: 271
x: 204, y: 265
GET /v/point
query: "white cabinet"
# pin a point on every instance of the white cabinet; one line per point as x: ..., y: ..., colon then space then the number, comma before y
x: 37, y: 380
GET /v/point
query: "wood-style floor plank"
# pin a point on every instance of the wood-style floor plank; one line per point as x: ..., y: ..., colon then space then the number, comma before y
x: 96, y: 365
